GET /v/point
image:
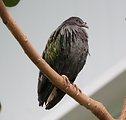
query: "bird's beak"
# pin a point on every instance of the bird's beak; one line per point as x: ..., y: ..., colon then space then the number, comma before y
x: 85, y: 25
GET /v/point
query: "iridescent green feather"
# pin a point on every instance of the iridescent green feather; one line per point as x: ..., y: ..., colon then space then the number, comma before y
x: 53, y: 49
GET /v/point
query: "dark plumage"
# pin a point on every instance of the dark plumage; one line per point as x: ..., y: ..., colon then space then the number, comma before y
x: 66, y: 52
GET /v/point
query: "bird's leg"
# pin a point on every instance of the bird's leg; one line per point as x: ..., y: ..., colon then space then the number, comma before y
x: 67, y: 82
x: 77, y: 89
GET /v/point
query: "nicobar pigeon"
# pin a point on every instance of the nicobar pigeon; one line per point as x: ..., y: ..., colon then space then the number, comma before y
x: 66, y: 52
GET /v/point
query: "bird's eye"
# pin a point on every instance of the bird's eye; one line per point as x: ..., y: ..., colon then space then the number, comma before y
x: 78, y: 21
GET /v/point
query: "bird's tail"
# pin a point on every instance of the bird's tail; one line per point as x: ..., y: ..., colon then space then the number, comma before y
x: 55, y: 96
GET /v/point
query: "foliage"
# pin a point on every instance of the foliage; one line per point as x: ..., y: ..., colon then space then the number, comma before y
x: 0, y: 106
x: 11, y: 3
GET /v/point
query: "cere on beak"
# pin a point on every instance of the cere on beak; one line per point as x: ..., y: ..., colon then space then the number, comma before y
x: 85, y: 25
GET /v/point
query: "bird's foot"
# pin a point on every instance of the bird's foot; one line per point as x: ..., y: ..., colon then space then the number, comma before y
x: 67, y: 82
x: 77, y: 89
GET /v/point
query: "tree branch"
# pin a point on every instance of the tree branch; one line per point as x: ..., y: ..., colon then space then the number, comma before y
x: 96, y: 107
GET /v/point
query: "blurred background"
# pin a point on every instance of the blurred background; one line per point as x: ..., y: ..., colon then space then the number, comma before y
x: 103, y: 77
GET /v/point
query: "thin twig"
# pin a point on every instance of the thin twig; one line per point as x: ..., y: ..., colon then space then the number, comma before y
x: 96, y: 107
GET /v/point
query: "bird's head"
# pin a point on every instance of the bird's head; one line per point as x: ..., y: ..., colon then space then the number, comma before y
x: 76, y: 21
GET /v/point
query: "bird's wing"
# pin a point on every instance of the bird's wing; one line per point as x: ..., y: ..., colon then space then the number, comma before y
x: 50, y: 55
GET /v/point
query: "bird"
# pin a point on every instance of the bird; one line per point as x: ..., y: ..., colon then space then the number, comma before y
x: 66, y: 52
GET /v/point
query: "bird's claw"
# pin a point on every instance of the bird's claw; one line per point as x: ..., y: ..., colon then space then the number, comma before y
x: 67, y: 82
x: 77, y: 89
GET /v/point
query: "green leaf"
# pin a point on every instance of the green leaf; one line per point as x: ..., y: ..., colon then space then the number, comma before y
x: 0, y: 107
x: 11, y: 3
